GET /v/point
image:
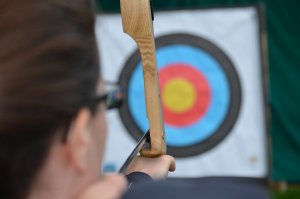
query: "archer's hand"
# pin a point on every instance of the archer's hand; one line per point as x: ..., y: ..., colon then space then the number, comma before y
x: 157, y: 168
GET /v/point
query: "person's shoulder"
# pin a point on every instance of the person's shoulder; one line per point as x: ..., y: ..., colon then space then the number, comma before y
x: 192, y: 189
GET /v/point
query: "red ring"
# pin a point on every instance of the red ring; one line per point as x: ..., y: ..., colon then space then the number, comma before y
x: 203, y: 94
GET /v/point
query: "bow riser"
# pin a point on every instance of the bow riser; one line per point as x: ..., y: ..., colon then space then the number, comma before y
x: 137, y: 23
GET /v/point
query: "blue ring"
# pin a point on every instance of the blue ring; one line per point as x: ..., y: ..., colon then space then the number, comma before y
x: 218, y: 82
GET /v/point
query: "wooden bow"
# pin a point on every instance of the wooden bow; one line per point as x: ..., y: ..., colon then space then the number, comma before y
x: 137, y: 18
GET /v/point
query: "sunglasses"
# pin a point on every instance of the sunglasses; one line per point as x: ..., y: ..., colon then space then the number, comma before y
x: 113, y: 96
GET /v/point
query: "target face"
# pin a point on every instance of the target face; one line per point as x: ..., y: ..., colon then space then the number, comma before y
x: 200, y: 94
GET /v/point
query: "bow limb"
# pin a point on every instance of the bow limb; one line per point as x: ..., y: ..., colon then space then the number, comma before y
x: 137, y: 23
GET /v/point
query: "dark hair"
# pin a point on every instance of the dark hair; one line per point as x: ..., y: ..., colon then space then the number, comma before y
x: 48, y: 71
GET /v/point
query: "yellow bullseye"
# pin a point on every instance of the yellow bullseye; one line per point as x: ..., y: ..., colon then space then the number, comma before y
x: 179, y: 95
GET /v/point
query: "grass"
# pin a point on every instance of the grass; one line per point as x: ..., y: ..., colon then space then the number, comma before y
x: 291, y: 193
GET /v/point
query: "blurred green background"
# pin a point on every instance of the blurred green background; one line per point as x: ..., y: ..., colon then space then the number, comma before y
x: 283, y: 26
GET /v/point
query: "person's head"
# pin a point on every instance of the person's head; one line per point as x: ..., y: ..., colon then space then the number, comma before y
x: 49, y: 123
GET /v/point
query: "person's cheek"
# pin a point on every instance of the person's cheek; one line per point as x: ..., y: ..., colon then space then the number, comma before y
x: 102, y: 134
x: 99, y: 139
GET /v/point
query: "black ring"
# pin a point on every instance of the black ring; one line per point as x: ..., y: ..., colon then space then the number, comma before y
x: 234, y: 84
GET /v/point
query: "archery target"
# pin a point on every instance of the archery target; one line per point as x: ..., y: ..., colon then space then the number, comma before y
x: 211, y: 84
x: 200, y: 93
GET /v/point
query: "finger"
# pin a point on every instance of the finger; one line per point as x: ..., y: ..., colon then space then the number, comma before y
x: 172, y: 164
x: 170, y: 161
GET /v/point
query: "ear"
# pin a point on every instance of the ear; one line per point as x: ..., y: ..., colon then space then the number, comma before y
x: 79, y: 140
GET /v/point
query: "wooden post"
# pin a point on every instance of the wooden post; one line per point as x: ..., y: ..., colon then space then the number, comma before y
x: 137, y: 23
